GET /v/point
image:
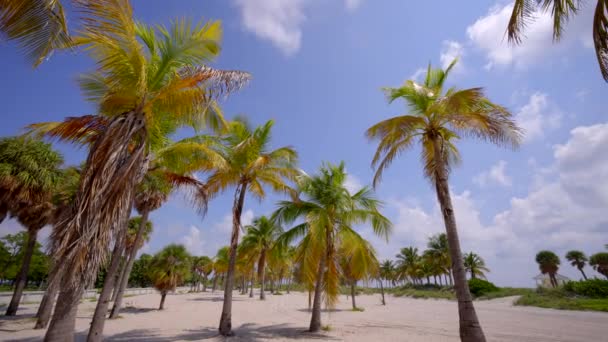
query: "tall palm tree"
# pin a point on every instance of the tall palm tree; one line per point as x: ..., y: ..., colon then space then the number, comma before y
x: 439, y: 249
x: 524, y: 11
x: 407, y: 262
x: 247, y: 163
x: 258, y: 241
x: 358, y: 262
x: 169, y: 268
x: 437, y: 118
x: 330, y: 211
x: 387, y: 272
x: 548, y: 263
x: 475, y: 265
x: 37, y: 26
x: 29, y: 178
x: 599, y: 262
x: 146, y: 86
x: 577, y: 259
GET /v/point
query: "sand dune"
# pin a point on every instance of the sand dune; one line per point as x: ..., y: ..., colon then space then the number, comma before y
x: 194, y: 317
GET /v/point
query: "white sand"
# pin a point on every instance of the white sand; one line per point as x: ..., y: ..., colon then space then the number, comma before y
x: 194, y: 317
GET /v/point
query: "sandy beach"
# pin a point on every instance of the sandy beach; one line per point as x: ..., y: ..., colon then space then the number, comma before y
x: 193, y: 317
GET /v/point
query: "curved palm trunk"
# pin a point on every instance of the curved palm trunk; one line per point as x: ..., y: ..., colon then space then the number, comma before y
x: 21, y: 281
x: 583, y: 272
x: 48, y: 300
x: 352, y: 294
x: 262, y: 273
x: 225, y: 327
x: 470, y: 329
x: 129, y: 265
x: 382, y: 291
x: 163, y: 295
x: 99, y: 317
x: 115, y: 164
x: 315, y: 320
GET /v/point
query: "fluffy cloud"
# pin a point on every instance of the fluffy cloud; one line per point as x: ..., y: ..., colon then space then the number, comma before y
x: 538, y: 116
x: 279, y: 21
x: 353, y: 183
x: 194, y: 241
x: 496, y: 174
x: 449, y: 51
x: 566, y: 212
x: 488, y: 35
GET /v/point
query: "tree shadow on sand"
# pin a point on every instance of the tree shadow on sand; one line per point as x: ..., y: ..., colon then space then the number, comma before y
x: 214, y: 299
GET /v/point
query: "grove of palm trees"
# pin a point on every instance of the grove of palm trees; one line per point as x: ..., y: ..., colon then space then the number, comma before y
x: 108, y: 197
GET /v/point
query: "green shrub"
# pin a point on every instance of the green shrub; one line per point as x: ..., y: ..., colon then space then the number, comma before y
x: 479, y: 287
x: 592, y: 288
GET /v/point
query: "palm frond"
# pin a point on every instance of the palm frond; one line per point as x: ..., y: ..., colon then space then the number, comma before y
x: 82, y: 130
x: 522, y: 15
x: 600, y: 36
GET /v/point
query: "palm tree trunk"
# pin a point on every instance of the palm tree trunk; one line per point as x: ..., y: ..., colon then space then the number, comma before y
x: 352, y: 294
x: 262, y: 272
x: 382, y: 291
x: 129, y: 265
x: 99, y: 317
x: 315, y: 321
x: 470, y: 329
x: 163, y: 295
x: 121, y: 274
x: 237, y: 208
x: 48, y: 301
x: 205, y: 283
x: 472, y: 274
x: 583, y: 272
x: 309, y: 299
x: 22, y: 276
x: 251, y: 283
x: 214, y: 283
x: 63, y: 323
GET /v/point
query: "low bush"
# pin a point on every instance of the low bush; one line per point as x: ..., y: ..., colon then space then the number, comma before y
x: 592, y: 288
x: 479, y: 287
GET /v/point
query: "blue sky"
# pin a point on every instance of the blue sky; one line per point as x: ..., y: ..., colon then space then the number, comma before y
x: 318, y: 66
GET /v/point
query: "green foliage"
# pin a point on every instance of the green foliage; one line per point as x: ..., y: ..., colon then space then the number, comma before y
x: 479, y: 287
x: 506, y: 292
x: 409, y: 291
x: 12, y: 247
x: 599, y: 262
x: 139, y: 273
x: 561, y: 299
x: 592, y: 288
x: 170, y: 267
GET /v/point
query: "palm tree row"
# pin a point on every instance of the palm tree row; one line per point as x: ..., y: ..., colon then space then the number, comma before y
x: 548, y: 263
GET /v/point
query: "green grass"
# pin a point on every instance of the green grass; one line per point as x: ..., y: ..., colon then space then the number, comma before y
x: 358, y: 309
x: 423, y: 294
x: 506, y: 292
x: 562, y: 300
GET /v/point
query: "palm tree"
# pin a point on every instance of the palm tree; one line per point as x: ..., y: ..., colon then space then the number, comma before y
x: 437, y: 119
x: 247, y: 163
x: 329, y: 211
x: 407, y: 262
x: 202, y: 266
x: 524, y: 11
x: 548, y: 262
x: 29, y: 178
x: 475, y: 265
x: 387, y: 272
x: 439, y: 249
x: 258, y: 241
x: 168, y: 269
x: 220, y: 264
x: 37, y: 26
x: 599, y: 262
x: 150, y: 195
x: 358, y: 261
x: 146, y: 86
x: 577, y: 259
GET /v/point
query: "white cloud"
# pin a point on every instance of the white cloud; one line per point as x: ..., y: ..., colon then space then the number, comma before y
x: 567, y: 212
x: 352, y: 183
x: 418, y: 74
x: 451, y: 50
x: 279, y: 21
x: 538, y: 116
x: 496, y: 174
x: 352, y: 5
x: 488, y: 35
x: 194, y: 241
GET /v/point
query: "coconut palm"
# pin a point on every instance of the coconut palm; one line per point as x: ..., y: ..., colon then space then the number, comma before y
x: 475, y: 265
x: 169, y: 268
x: 548, y: 263
x: 29, y: 179
x: 37, y: 26
x: 202, y: 266
x: 386, y: 272
x: 524, y: 11
x: 329, y: 211
x: 146, y: 86
x: 437, y: 119
x: 358, y: 262
x: 577, y: 259
x: 439, y: 250
x: 599, y: 262
x: 408, y: 261
x: 247, y: 163
x: 258, y: 241
x: 220, y: 264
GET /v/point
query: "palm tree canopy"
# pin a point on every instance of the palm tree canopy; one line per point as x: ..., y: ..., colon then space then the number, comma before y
x: 548, y: 262
x: 475, y: 264
x: 133, y: 227
x: 577, y: 259
x: 220, y: 264
x: 524, y: 12
x: 387, y: 270
x: 37, y: 26
x: 170, y: 267
x: 439, y: 115
x: 599, y: 262
x: 358, y: 259
x: 152, y: 191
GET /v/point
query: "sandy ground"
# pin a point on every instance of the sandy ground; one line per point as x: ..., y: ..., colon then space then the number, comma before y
x: 194, y: 317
